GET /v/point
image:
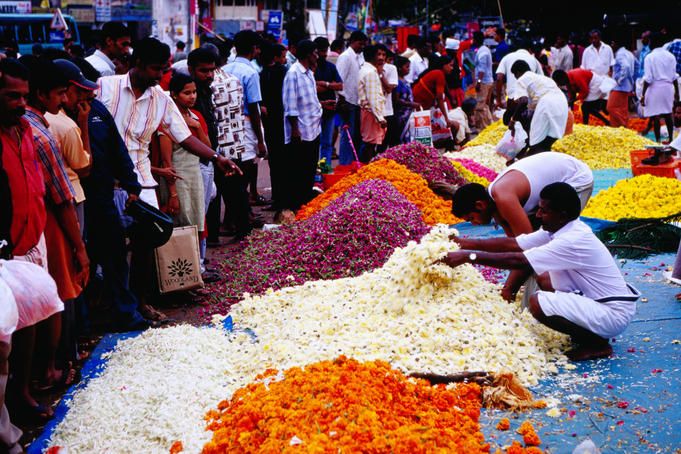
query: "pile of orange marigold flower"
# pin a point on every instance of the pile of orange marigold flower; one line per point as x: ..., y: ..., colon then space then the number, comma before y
x: 347, y: 406
x: 414, y: 187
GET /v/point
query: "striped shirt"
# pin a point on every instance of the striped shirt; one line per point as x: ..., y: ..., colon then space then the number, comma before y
x: 300, y: 100
x: 371, y: 96
x: 58, y: 188
x: 138, y: 118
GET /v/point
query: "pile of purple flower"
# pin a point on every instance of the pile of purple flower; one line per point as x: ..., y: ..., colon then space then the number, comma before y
x: 357, y: 232
x: 426, y: 161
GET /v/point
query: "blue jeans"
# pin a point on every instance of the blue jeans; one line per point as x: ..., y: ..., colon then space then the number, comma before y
x: 326, y: 138
x: 351, y: 118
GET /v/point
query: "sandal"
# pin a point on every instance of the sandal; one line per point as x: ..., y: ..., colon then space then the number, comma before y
x: 67, y: 379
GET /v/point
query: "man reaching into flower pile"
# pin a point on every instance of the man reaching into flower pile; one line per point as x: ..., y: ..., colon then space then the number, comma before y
x: 583, y: 293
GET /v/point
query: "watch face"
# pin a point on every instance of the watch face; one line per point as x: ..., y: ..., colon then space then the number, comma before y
x: 472, y: 256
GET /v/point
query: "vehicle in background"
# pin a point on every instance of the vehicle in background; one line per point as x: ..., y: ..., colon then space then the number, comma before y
x: 29, y: 29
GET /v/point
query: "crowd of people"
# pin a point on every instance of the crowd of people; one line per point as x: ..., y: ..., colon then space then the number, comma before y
x: 86, y: 137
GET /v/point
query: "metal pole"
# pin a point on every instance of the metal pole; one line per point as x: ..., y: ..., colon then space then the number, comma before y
x: 501, y: 15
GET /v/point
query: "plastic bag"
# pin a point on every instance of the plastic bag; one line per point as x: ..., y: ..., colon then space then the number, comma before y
x: 607, y: 85
x: 510, y: 145
x: 419, y: 129
x: 438, y: 125
x: 9, y: 314
x: 35, y: 292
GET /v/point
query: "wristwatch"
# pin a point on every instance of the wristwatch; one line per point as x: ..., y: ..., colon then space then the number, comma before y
x: 214, y: 158
x: 327, y: 84
x: 472, y: 256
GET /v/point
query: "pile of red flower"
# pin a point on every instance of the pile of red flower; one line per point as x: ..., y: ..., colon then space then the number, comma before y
x: 426, y: 161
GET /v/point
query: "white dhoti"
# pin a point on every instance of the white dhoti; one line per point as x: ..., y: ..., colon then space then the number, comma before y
x: 606, y: 318
x: 549, y: 119
x: 659, y: 99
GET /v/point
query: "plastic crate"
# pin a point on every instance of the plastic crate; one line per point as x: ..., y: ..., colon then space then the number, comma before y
x: 661, y: 170
x: 638, y: 155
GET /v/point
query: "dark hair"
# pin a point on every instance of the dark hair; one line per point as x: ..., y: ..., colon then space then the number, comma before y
x: 560, y: 77
x: 321, y: 43
x: 469, y: 104
x: 269, y: 51
x: 114, y: 30
x: 563, y: 198
x: 657, y: 40
x: 77, y: 50
x: 44, y: 75
x: 501, y: 32
x: 523, y: 43
x: 149, y: 51
x: 434, y: 63
x: 87, y: 69
x: 202, y: 55
x: 596, y: 31
x: 357, y: 36
x: 305, y: 48
x: 180, y: 45
x: 245, y: 40
x: 520, y: 66
x: 478, y: 37
x: 434, y: 39
x: 13, y: 68
x: 419, y: 42
x: 465, y: 197
x: 178, y: 82
x: 337, y: 45
x: 412, y: 40
x: 400, y: 61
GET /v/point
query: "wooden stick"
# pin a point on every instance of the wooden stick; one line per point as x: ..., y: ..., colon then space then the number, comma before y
x: 454, y: 378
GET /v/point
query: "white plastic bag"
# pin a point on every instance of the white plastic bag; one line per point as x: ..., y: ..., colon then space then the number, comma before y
x: 607, y: 85
x: 9, y: 314
x: 510, y: 145
x: 35, y: 292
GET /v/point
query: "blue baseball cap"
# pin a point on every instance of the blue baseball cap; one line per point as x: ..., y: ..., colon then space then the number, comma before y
x: 74, y: 75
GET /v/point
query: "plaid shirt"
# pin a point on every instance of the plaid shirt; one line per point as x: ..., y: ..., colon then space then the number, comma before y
x: 57, y: 184
x: 300, y: 100
x: 371, y: 96
x: 675, y: 49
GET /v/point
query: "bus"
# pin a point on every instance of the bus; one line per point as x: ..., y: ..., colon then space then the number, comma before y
x: 29, y: 29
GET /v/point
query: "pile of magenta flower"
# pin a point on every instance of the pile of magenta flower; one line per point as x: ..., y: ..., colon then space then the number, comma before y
x: 425, y: 161
x: 477, y: 168
x: 357, y: 232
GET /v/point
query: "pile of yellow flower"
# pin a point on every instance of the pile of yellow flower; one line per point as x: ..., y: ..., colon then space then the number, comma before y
x: 485, y: 155
x: 644, y: 196
x: 602, y: 147
x: 491, y: 135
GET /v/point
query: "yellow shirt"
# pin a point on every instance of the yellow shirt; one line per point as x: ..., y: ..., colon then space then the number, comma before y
x: 71, y: 146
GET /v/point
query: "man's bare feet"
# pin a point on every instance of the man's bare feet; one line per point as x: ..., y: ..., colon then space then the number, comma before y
x: 586, y: 353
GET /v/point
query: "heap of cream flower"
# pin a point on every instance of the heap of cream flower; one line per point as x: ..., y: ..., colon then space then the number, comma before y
x: 484, y: 154
x: 418, y: 316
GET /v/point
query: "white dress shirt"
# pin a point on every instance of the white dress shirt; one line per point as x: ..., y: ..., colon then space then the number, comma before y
x: 418, y: 65
x: 102, y: 63
x: 390, y: 74
x: 598, y: 60
x: 659, y: 66
x: 138, y: 118
x: 506, y: 64
x: 348, y: 66
x: 561, y: 58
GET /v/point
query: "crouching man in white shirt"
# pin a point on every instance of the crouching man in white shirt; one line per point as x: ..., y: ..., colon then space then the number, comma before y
x: 583, y: 293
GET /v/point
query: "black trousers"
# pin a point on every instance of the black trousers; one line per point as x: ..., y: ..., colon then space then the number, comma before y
x: 300, y: 169
x: 106, y: 247
x: 234, y: 192
x: 276, y: 150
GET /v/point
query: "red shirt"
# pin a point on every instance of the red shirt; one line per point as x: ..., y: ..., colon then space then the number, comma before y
x: 430, y: 88
x: 27, y: 187
x: 579, y: 81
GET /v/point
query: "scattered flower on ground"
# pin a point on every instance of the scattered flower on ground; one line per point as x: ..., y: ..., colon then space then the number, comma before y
x: 643, y: 196
x: 433, y: 209
x: 530, y: 437
x: 347, y: 406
